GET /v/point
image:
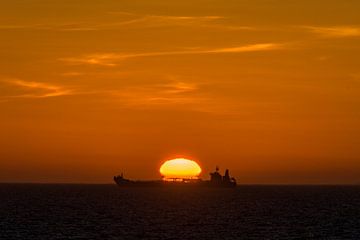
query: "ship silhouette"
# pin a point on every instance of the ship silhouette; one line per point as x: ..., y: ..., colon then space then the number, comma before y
x: 216, y: 180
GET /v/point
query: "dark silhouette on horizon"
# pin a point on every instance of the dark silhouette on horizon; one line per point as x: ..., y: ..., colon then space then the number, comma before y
x: 216, y: 180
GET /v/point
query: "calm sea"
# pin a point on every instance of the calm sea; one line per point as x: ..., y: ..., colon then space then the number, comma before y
x: 249, y: 212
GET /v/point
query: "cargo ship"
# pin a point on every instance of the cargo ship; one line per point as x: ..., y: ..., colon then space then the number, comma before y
x: 216, y: 180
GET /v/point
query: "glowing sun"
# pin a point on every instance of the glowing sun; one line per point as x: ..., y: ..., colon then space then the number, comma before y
x: 180, y: 168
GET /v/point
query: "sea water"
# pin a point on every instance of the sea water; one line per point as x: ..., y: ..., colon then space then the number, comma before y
x: 35, y: 211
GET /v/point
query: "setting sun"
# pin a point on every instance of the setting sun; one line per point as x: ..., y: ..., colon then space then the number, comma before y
x: 180, y: 168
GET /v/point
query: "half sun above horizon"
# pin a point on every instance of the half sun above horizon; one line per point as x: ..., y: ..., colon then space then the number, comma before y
x: 181, y: 168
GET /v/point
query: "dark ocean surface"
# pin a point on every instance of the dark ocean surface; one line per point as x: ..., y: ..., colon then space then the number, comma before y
x: 31, y: 211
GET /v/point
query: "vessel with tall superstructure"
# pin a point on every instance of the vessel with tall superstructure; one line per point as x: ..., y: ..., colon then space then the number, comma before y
x: 216, y: 180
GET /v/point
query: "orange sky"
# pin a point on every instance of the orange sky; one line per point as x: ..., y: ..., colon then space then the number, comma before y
x: 268, y: 89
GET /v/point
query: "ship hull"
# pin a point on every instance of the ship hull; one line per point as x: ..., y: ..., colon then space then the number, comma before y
x: 150, y: 184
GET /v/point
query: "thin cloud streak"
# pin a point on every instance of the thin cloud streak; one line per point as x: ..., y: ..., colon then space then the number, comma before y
x: 111, y: 59
x: 335, y: 31
x: 51, y: 27
x: 139, y: 20
x: 45, y: 90
x: 167, y: 20
x: 179, y: 94
x: 131, y: 20
x: 163, y: 20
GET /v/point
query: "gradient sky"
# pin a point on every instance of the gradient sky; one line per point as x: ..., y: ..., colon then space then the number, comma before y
x: 268, y: 89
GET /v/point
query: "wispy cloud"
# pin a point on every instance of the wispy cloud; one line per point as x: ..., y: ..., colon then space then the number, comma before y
x: 112, y: 59
x: 335, y: 31
x: 72, y: 74
x: 148, y: 21
x: 51, y: 27
x: 129, y: 20
x: 102, y: 59
x: 159, y: 94
x: 247, y: 48
x: 124, y: 20
x: 180, y: 94
x: 162, y: 20
x: 38, y: 89
x: 355, y: 77
x: 180, y: 87
x: 173, y: 93
x: 183, y: 18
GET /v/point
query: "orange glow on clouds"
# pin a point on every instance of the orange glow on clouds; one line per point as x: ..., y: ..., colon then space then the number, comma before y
x: 180, y: 168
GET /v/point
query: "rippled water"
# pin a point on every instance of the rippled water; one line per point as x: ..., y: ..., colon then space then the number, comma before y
x: 248, y: 212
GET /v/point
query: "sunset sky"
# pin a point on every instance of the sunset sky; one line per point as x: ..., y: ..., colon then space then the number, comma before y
x: 269, y: 89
